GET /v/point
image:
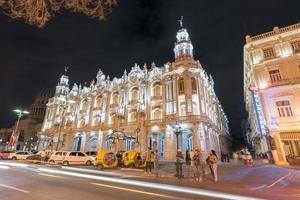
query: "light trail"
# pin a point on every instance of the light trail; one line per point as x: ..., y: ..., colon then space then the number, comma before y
x: 50, y: 175
x: 173, y: 188
x: 138, y: 191
x: 92, y: 171
x: 13, y: 164
x: 14, y: 188
x: 278, y: 180
x: 4, y: 167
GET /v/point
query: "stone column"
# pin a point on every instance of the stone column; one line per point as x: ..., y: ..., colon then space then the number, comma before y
x: 279, y: 152
x: 196, y: 137
x: 83, y: 142
x: 170, y: 144
x: 100, y: 140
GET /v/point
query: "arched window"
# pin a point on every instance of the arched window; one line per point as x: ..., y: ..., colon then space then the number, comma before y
x: 112, y: 118
x: 156, y: 89
x: 156, y: 114
x: 134, y: 95
x: 115, y: 98
x: 84, y: 105
x: 96, y: 121
x: 98, y: 102
x: 195, y: 109
x: 60, y: 110
x: 194, y: 85
x: 182, y: 109
x: 181, y: 85
x: 132, y: 116
x: 81, y: 123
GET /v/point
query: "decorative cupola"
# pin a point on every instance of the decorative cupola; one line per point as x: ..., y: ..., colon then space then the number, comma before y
x: 183, y: 46
x: 62, y: 87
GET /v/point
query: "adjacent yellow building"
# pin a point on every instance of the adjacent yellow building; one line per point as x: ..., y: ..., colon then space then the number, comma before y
x: 272, y: 92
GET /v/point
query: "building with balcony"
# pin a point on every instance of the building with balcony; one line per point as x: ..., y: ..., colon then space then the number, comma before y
x: 143, y: 108
x: 272, y: 92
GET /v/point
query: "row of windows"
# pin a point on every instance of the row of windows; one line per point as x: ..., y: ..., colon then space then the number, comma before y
x: 269, y: 52
x: 156, y: 91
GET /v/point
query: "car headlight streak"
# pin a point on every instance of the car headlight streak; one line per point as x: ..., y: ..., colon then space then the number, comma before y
x: 158, y: 186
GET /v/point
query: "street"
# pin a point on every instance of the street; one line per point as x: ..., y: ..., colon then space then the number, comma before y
x: 39, y: 182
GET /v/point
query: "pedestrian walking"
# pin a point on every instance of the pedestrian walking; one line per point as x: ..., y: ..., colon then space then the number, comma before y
x: 212, y: 162
x: 156, y: 156
x: 191, y: 165
x: 148, y: 160
x: 199, y: 166
x: 43, y: 156
x: 222, y: 157
x: 187, y: 157
x: 179, y: 160
x: 228, y: 157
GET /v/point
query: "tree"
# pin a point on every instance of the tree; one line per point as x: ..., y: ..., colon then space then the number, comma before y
x: 39, y: 12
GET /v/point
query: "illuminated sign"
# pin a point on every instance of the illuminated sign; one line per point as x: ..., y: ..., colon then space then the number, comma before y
x: 259, y: 113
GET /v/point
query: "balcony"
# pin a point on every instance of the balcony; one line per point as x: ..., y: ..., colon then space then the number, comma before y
x: 289, y: 81
x: 133, y: 102
x: 154, y: 98
x: 114, y: 105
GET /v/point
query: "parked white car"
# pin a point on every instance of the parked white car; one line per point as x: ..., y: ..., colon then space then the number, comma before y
x: 19, y: 155
x: 57, y: 157
x: 77, y: 158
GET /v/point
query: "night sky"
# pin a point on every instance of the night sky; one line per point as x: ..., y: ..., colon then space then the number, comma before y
x: 137, y: 31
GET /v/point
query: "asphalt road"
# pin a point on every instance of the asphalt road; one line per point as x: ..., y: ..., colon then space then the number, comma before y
x: 34, y: 182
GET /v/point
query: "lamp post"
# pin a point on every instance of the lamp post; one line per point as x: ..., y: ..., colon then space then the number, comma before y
x: 177, y: 130
x: 20, y: 113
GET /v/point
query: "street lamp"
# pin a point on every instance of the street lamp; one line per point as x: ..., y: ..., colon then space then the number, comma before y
x: 177, y: 130
x: 15, y: 134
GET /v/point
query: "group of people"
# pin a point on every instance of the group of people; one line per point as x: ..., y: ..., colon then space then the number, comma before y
x: 225, y: 157
x: 196, y: 165
x: 151, y: 161
x: 194, y: 160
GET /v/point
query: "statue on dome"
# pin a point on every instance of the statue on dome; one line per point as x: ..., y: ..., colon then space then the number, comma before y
x: 180, y: 22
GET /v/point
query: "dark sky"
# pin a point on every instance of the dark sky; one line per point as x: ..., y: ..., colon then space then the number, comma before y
x: 136, y: 31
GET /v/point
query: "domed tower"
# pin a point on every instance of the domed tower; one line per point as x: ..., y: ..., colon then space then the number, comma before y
x: 38, y: 108
x: 183, y: 46
x: 62, y: 87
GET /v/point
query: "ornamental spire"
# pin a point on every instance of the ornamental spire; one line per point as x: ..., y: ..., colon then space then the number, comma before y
x: 183, y: 46
x: 180, y: 22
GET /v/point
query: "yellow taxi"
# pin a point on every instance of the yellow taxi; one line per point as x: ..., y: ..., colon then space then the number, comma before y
x: 106, y: 159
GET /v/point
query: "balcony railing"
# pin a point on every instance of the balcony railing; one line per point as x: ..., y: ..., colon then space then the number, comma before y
x: 275, y: 31
x: 288, y: 81
x: 133, y: 102
x: 156, y: 97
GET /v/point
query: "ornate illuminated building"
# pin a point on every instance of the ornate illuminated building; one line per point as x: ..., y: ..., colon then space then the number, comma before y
x: 272, y: 92
x: 140, y: 109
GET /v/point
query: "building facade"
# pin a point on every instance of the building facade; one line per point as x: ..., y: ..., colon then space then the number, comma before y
x: 143, y: 108
x: 272, y: 92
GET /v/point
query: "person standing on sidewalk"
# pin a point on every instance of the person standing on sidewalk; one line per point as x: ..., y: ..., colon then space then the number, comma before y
x: 43, y: 156
x: 212, y: 161
x: 198, y: 165
x: 191, y: 165
x: 156, y: 162
x: 148, y: 160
